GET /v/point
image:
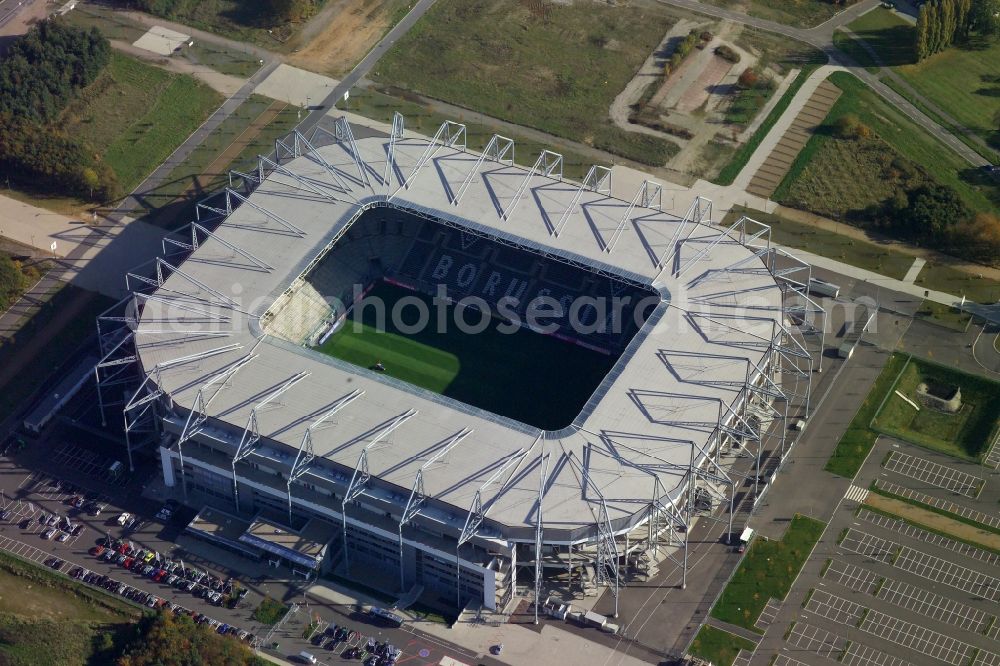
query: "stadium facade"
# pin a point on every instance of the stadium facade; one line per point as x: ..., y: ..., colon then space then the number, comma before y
x: 437, y: 496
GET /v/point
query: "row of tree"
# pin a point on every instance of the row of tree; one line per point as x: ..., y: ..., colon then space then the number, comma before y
x: 42, y: 72
x: 251, y: 12
x: 941, y: 23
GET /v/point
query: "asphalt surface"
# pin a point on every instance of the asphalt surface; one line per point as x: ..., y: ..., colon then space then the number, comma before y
x: 11, y: 8
x: 837, y: 629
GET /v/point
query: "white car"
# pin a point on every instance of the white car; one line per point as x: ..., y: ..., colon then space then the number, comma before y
x: 63, y: 536
x: 122, y: 519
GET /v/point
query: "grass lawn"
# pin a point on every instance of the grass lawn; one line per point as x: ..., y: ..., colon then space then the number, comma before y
x: 800, y: 13
x: 767, y: 570
x: 963, y: 435
x: 740, y: 158
x: 51, y: 357
x: 888, y: 34
x: 718, y: 646
x: 951, y: 280
x: 857, y: 441
x: 510, y: 59
x: 136, y: 114
x: 486, y: 370
x: 964, y: 80
x: 380, y: 105
x: 867, y: 255
x: 49, y: 619
x: 911, y: 144
x: 854, y: 48
x: 269, y: 611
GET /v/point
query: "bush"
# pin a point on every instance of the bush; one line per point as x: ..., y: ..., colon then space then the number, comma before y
x: 749, y: 78
x: 727, y: 53
x: 13, y: 281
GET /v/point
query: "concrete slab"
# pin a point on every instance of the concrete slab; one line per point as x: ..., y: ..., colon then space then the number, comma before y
x: 296, y: 86
x: 160, y: 40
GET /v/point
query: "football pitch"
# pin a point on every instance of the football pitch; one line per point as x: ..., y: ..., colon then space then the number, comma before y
x: 527, y: 376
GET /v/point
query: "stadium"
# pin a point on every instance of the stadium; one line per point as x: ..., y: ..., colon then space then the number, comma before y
x: 304, y: 356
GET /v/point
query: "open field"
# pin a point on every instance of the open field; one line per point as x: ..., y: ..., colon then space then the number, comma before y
x: 962, y: 80
x: 854, y: 48
x: 79, y: 307
x: 508, y: 59
x: 868, y: 255
x: 718, y: 646
x: 891, y: 126
x: 488, y: 370
x: 800, y: 13
x: 857, y: 441
x: 135, y: 115
x: 48, y: 619
x: 344, y: 41
x: 767, y: 570
x: 963, y: 435
x: 380, y: 106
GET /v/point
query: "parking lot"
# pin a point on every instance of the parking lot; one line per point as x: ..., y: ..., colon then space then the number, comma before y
x: 72, y: 469
x: 880, y: 591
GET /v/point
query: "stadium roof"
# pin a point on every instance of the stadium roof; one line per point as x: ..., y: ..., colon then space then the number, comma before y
x: 680, y: 374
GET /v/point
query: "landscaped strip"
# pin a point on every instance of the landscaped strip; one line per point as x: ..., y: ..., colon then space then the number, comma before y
x: 858, y: 440
x: 768, y: 570
x: 718, y: 646
x: 742, y: 156
x: 929, y: 507
x: 869, y: 506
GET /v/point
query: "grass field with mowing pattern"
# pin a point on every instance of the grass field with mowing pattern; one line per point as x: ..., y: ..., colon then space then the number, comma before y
x: 491, y: 370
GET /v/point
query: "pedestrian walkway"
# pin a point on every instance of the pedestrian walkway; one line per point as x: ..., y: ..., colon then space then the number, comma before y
x: 730, y: 628
x: 856, y: 494
x: 770, y: 174
x: 911, y: 275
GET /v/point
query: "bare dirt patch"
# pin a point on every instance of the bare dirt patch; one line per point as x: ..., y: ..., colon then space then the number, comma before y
x: 935, y: 521
x: 348, y: 36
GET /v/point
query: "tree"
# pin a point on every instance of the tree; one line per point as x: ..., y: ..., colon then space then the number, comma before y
x: 922, y: 34
x: 984, y: 17
x: 749, y: 78
x: 933, y: 213
x: 979, y: 238
x: 947, y: 22
x: 13, y: 282
x: 165, y: 640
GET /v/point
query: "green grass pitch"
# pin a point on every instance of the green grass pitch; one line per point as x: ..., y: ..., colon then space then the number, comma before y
x: 530, y: 377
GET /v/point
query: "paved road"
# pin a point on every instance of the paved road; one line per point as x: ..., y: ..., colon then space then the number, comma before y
x: 11, y: 8
x: 822, y: 38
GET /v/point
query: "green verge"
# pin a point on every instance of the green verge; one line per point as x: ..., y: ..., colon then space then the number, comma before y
x: 926, y: 528
x: 863, y: 254
x: 952, y: 280
x: 718, y: 646
x: 740, y: 158
x: 963, y: 435
x: 509, y: 59
x: 857, y: 441
x: 948, y: 514
x: 768, y: 570
x: 269, y: 611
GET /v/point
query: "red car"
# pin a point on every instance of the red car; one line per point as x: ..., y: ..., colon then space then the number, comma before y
x: 128, y: 562
x: 96, y: 551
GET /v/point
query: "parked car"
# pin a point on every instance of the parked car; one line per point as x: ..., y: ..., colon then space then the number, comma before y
x: 63, y: 536
x: 123, y: 518
x: 47, y: 534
